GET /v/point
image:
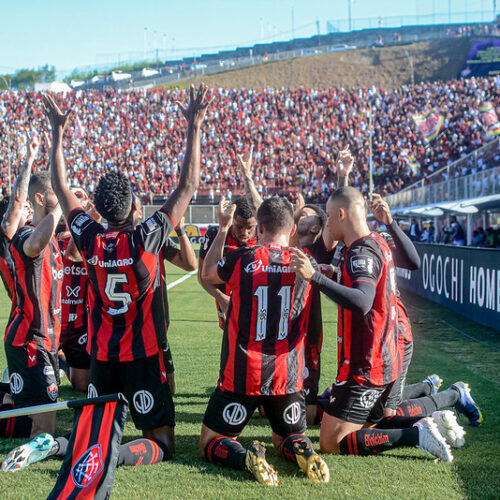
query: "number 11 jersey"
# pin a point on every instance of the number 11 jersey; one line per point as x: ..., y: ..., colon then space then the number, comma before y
x: 263, y: 344
x: 126, y: 308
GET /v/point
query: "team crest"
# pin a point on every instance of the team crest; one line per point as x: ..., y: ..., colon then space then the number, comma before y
x: 368, y: 398
x: 52, y: 391
x: 87, y: 467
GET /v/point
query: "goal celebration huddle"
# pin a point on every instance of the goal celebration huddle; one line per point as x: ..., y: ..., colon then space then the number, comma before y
x: 89, y: 295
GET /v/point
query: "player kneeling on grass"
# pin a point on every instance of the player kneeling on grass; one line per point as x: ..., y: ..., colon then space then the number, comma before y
x: 368, y: 362
x: 262, y: 360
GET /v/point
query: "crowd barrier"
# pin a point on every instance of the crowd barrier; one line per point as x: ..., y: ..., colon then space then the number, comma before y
x: 464, y: 279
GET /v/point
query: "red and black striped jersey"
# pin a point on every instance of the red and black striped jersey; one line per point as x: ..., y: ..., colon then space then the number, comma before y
x: 368, y: 344
x: 231, y: 244
x: 7, y: 270
x: 73, y: 293
x: 125, y: 301
x: 37, y: 315
x: 168, y: 252
x: 263, y: 342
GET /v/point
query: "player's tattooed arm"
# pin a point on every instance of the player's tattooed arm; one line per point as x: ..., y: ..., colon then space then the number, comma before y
x: 17, y: 201
x: 58, y: 122
x: 216, y: 251
x: 40, y: 237
x: 189, y: 179
x: 252, y: 195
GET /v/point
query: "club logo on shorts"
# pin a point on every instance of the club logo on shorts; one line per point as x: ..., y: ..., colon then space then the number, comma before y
x: 87, y: 467
x: 143, y: 401
x: 92, y: 391
x: 234, y: 413
x: 291, y: 415
x: 52, y: 391
x: 16, y: 383
x: 368, y: 398
x: 82, y: 340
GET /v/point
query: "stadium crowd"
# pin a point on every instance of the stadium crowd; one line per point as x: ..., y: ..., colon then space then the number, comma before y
x: 296, y: 134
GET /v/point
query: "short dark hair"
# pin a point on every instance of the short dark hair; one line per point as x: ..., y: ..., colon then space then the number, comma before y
x: 347, y: 195
x: 4, y: 203
x: 113, y: 196
x: 319, y: 212
x: 243, y: 209
x: 275, y: 215
x: 39, y: 183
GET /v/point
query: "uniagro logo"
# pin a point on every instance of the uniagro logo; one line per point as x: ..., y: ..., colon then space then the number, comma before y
x: 253, y: 266
x: 87, y: 467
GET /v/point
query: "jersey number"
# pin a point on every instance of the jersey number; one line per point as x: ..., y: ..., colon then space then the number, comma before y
x: 262, y: 294
x: 122, y: 298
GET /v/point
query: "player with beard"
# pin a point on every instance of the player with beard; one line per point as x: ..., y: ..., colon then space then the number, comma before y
x: 368, y: 361
x: 262, y: 357
x: 241, y: 234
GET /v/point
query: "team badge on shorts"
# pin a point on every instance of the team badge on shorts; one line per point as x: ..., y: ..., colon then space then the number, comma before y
x: 143, y: 401
x: 368, y: 398
x: 87, y: 467
x: 291, y: 415
x: 52, y: 391
x: 234, y: 414
x: 16, y: 383
x: 92, y: 391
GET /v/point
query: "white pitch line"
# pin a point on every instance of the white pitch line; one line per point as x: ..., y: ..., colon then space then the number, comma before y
x: 180, y: 280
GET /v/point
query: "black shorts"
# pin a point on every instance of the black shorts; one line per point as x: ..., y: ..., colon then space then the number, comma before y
x: 144, y: 384
x: 74, y: 346
x: 396, y: 395
x: 311, y: 382
x: 356, y: 403
x: 167, y: 358
x: 34, y: 374
x: 228, y: 413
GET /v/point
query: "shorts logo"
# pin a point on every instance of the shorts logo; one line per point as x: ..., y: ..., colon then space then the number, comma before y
x: 87, y: 467
x: 368, y: 398
x: 92, y: 391
x: 16, y: 383
x: 52, y: 391
x: 234, y: 414
x: 82, y: 340
x: 291, y: 415
x: 73, y: 292
x: 48, y: 370
x: 362, y: 264
x: 143, y: 401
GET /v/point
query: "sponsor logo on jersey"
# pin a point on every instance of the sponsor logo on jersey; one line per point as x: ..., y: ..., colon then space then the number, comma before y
x: 87, y: 467
x: 82, y: 339
x: 368, y: 398
x: 362, y: 264
x: 16, y: 383
x: 291, y: 415
x: 52, y: 391
x: 94, y: 261
x: 80, y: 223
x: 143, y: 401
x: 257, y: 265
x: 57, y: 274
x: 75, y: 270
x: 73, y: 292
x: 234, y: 414
x: 72, y: 317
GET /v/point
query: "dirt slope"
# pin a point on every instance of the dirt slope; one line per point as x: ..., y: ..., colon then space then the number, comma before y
x: 382, y: 67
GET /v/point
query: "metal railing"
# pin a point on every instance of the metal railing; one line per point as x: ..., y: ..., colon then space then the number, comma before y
x: 450, y: 183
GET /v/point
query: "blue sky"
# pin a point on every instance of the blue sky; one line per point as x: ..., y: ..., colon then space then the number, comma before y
x: 69, y: 34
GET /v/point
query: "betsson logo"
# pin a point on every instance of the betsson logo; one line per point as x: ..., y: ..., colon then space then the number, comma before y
x: 257, y: 265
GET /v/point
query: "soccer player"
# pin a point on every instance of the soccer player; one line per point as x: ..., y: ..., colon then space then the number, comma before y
x: 262, y: 359
x: 32, y: 336
x: 126, y: 314
x: 368, y: 361
x: 241, y: 234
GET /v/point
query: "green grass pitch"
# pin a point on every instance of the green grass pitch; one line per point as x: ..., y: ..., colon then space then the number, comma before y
x: 440, y: 347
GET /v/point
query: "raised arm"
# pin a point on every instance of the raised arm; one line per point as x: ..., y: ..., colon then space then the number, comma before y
x: 189, y: 179
x: 40, y: 237
x: 345, y: 161
x: 186, y: 258
x: 58, y: 121
x: 252, y: 195
x: 14, y: 212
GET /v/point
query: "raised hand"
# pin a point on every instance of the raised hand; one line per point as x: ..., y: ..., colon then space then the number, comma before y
x: 225, y: 213
x: 380, y: 209
x: 345, y: 161
x: 197, y: 106
x: 57, y: 118
x: 301, y: 264
x: 299, y: 205
x: 33, y: 142
x: 246, y: 165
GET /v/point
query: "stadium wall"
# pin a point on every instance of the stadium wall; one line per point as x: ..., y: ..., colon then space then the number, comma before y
x: 464, y: 279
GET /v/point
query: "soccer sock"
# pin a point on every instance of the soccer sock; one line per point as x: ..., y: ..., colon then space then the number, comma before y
x: 418, y: 390
x: 374, y: 441
x: 424, y: 407
x: 226, y: 452
x: 397, y: 422
x: 142, y: 452
x: 14, y: 427
x: 60, y: 446
x: 287, y: 447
